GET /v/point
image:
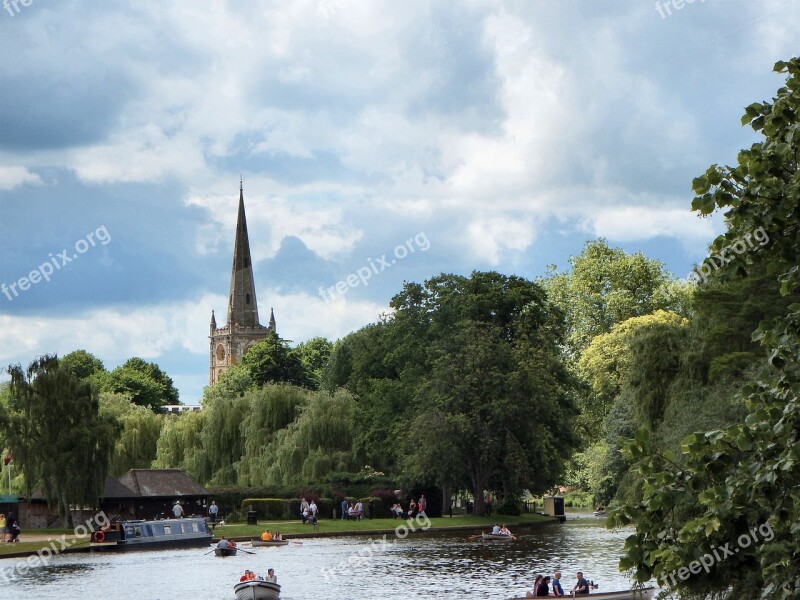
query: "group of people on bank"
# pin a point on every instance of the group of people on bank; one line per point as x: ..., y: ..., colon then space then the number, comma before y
x: 414, y: 508
x: 542, y: 584
x: 308, y: 511
x: 9, y: 527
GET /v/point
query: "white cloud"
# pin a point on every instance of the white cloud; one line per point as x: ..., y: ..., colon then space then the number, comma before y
x: 15, y: 176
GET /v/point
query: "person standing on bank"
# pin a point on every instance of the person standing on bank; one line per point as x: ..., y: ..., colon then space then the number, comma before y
x: 177, y: 510
x: 212, y: 511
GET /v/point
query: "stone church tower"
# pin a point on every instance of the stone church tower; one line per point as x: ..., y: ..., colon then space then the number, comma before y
x: 242, y: 330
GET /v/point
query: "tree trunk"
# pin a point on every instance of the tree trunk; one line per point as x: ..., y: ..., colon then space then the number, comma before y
x: 446, y: 500
x: 478, y: 480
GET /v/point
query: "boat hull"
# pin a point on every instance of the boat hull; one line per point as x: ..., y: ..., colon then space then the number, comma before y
x: 643, y: 594
x: 257, y: 590
x: 257, y: 543
x: 223, y: 552
x: 153, y: 535
x: 495, y: 537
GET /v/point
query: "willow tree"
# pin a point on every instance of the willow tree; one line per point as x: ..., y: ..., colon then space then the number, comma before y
x: 137, y: 444
x: 271, y: 409
x: 318, y: 442
x: 54, y: 428
x: 180, y: 444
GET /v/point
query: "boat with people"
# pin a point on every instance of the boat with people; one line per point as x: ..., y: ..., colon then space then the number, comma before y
x: 223, y: 552
x: 640, y: 594
x: 151, y: 535
x: 257, y: 590
x: 497, y: 536
x: 256, y: 542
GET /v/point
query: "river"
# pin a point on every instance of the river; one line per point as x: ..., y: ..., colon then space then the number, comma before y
x: 436, y: 565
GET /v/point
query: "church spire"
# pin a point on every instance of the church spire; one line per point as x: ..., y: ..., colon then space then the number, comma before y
x: 272, y: 326
x: 242, y: 306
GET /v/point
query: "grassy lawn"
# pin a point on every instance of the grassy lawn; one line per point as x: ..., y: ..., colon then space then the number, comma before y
x: 33, y: 547
x: 339, y: 526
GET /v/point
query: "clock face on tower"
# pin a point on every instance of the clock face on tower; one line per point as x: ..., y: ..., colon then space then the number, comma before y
x: 220, y: 352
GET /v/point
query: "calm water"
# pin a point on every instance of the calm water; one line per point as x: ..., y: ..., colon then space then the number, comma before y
x: 420, y: 566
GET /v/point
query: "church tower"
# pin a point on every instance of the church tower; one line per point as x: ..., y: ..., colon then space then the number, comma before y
x: 243, y: 329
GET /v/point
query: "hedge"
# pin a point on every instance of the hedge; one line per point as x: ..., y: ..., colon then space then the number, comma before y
x: 279, y: 508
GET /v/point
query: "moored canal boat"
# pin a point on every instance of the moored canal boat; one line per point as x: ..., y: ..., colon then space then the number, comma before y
x: 257, y: 590
x: 151, y: 535
x: 642, y: 594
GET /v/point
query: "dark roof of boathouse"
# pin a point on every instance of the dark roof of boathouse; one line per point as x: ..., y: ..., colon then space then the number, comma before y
x: 113, y: 489
x: 161, y: 483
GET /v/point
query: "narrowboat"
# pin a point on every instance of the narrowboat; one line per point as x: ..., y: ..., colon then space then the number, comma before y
x: 257, y: 590
x: 152, y: 535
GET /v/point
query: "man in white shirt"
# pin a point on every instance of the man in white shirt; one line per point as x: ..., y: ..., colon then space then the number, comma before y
x: 177, y: 510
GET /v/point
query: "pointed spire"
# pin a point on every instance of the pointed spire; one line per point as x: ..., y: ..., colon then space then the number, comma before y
x: 242, y: 306
x: 272, y: 327
x: 213, y: 319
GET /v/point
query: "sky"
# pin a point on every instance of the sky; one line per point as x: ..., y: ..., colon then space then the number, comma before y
x: 391, y: 140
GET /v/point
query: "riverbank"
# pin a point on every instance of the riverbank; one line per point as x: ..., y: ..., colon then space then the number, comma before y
x: 38, y: 540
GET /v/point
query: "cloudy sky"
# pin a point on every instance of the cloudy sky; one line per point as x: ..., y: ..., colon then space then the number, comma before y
x: 472, y: 135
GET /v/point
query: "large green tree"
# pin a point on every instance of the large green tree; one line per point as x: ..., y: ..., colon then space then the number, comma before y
x: 606, y: 286
x: 143, y: 382
x: 738, y: 488
x: 53, y: 425
x: 271, y: 360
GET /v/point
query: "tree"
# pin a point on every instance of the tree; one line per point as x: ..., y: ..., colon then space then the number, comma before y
x: 59, y: 438
x: 607, y: 286
x: 144, y: 382
x: 314, y: 355
x: 82, y: 364
x: 136, y: 445
x: 272, y: 361
x: 740, y: 484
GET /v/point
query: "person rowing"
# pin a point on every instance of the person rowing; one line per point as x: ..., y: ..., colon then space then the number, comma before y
x: 504, y: 530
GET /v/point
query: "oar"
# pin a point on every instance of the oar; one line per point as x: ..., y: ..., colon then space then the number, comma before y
x: 474, y: 537
x: 293, y: 542
x: 243, y: 550
x: 209, y: 552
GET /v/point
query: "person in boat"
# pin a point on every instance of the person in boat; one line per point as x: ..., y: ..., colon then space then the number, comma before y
x: 544, y: 587
x: 504, y: 530
x: 535, y: 591
x: 266, y: 536
x: 557, y: 589
x: 271, y: 577
x: 232, y: 544
x: 247, y: 576
x: 277, y: 537
x: 223, y: 544
x: 496, y: 529
x: 582, y: 587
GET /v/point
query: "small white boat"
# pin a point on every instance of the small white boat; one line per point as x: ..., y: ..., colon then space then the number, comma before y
x: 497, y: 536
x: 257, y: 590
x: 256, y: 543
x: 643, y: 594
x: 599, y: 513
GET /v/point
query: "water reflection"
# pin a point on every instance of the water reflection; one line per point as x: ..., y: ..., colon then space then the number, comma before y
x: 430, y: 566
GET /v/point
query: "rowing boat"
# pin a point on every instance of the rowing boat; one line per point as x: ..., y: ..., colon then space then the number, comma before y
x: 497, y: 536
x: 643, y: 594
x: 257, y: 543
x: 225, y: 551
x: 257, y: 590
